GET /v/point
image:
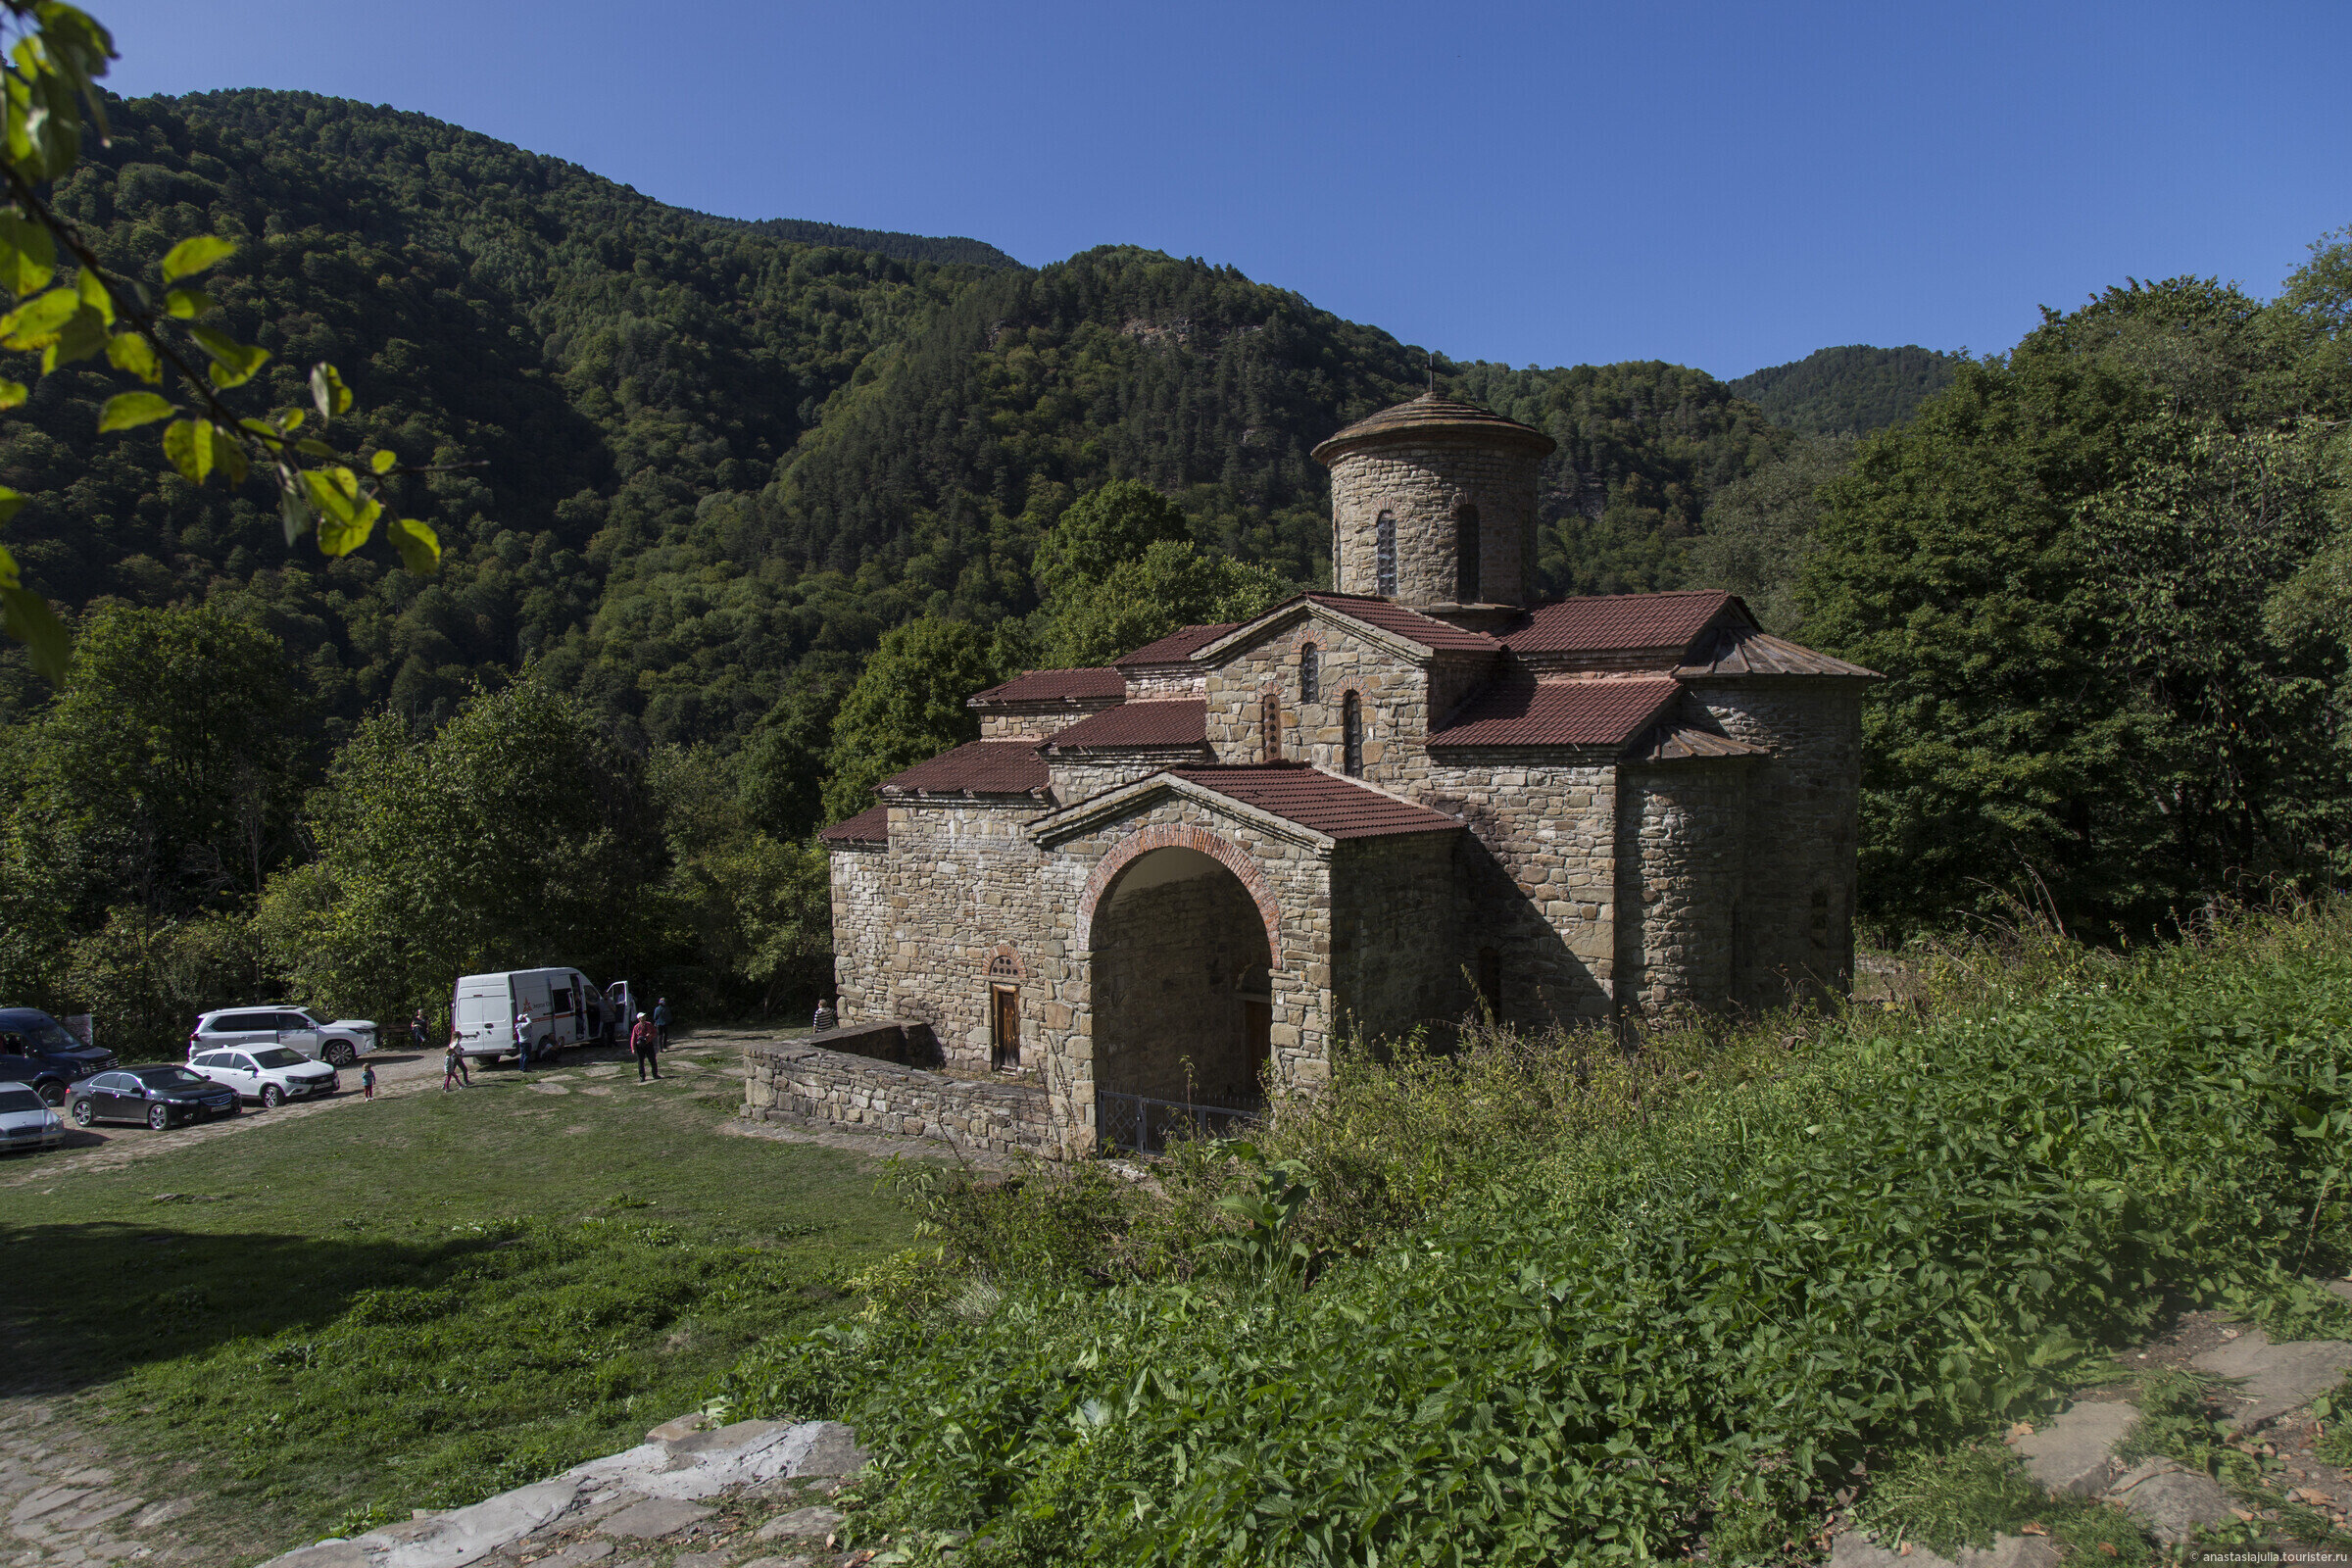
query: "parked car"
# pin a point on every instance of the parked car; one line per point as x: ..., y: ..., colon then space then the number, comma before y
x: 157, y: 1096
x: 270, y: 1075
x: 567, y: 1009
x: 36, y: 1050
x: 282, y: 1024
x: 27, y: 1121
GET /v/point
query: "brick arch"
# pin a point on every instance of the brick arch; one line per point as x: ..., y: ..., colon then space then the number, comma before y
x: 1182, y: 836
x: 1001, y: 962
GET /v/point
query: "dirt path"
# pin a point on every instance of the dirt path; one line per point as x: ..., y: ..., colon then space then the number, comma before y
x: 65, y: 1502
x: 397, y: 1072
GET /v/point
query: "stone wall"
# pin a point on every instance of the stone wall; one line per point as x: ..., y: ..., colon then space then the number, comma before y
x: 1538, y: 875
x: 1399, y: 698
x: 1682, y: 836
x: 1399, y: 935
x: 861, y: 942
x: 791, y: 1081
x: 1421, y: 480
x: 1082, y: 779
x: 1285, y: 876
x: 1796, y: 912
x: 1174, y: 966
x: 961, y: 896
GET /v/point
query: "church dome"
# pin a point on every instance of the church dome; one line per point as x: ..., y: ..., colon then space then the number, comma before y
x: 1432, y: 415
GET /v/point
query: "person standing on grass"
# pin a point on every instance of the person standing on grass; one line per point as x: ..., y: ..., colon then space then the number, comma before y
x: 661, y: 1024
x: 522, y: 1041
x: 453, y: 1068
x: 417, y: 1031
x: 643, y: 1042
x: 367, y: 1081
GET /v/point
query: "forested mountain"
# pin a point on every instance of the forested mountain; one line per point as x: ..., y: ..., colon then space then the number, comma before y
x: 947, y: 250
x: 708, y: 453
x: 1849, y: 391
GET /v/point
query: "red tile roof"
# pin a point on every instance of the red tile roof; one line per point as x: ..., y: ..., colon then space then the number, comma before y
x: 1411, y: 625
x: 976, y: 767
x: 1054, y: 686
x: 1332, y: 806
x: 1612, y: 623
x: 1673, y: 742
x: 869, y: 826
x: 1147, y: 723
x: 1520, y: 709
x: 1176, y: 647
x: 1756, y: 653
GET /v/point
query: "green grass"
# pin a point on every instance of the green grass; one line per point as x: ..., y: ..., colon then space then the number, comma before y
x: 415, y: 1302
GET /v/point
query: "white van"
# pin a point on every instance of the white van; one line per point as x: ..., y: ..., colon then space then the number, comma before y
x: 565, y: 1011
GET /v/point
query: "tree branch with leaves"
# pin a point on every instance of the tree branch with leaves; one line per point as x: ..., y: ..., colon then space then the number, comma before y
x: 69, y: 306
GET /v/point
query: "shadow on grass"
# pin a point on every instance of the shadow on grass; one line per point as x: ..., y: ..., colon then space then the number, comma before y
x: 89, y: 1301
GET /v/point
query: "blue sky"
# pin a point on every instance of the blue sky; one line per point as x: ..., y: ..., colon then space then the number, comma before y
x: 1724, y: 185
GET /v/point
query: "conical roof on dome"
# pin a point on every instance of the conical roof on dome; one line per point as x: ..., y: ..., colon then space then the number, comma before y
x: 1431, y: 413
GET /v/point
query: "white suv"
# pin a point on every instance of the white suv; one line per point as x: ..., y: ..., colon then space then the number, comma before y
x: 270, y: 1074
x: 278, y: 1023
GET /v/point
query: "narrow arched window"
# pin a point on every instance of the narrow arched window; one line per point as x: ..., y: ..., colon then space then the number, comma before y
x: 1351, y: 736
x: 1269, y: 728
x: 1465, y: 556
x: 1310, y: 674
x: 1384, y: 554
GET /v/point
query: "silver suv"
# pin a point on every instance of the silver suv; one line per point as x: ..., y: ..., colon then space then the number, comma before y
x: 280, y: 1023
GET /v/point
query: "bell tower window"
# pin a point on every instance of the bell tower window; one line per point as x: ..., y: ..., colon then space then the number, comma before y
x: 1465, y: 554
x: 1383, y: 555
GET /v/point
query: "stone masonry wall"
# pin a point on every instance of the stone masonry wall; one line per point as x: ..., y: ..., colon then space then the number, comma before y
x: 1683, y: 830
x: 1295, y: 881
x: 1802, y: 877
x: 1172, y: 965
x: 962, y: 896
x: 861, y: 929
x: 790, y: 1081
x: 1398, y: 698
x: 1538, y: 875
x: 1421, y: 480
x: 1398, y: 939
x: 1082, y: 779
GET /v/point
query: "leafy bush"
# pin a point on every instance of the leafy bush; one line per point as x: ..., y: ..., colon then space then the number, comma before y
x: 1689, y: 1317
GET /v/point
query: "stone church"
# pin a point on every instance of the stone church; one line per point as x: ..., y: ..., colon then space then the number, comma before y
x: 1182, y: 877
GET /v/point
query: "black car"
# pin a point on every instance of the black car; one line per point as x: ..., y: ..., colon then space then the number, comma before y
x: 37, y: 1050
x: 155, y: 1095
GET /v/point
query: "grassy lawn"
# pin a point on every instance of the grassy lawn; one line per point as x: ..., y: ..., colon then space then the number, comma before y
x: 415, y: 1302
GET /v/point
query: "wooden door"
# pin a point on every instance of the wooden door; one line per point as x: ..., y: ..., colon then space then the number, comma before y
x: 1257, y: 1036
x: 1004, y: 1026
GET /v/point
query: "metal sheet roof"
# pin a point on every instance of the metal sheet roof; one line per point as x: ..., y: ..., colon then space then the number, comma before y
x: 1333, y: 807
x: 1432, y: 415
x: 1521, y: 709
x: 1177, y: 646
x: 869, y: 826
x: 1616, y: 623
x: 1757, y: 652
x: 976, y: 767
x: 1054, y: 686
x: 1150, y: 724
x: 1411, y: 625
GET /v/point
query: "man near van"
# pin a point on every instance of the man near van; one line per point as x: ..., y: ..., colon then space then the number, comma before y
x: 643, y: 1044
x: 661, y: 1024
x: 522, y: 1041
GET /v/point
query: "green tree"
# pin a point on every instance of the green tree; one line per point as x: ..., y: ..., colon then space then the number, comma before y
x: 2070, y: 566
x: 71, y: 305
x: 165, y: 774
x: 907, y: 706
x: 516, y: 836
x: 750, y: 914
x: 1141, y: 600
x: 1102, y: 529
x: 1760, y: 530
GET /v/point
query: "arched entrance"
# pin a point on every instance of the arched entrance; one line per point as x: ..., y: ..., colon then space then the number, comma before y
x: 1182, y: 996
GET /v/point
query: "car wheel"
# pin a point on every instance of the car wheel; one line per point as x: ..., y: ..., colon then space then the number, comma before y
x: 272, y: 1097
x: 340, y: 1053
x: 53, y: 1095
x: 159, y: 1118
x: 81, y: 1114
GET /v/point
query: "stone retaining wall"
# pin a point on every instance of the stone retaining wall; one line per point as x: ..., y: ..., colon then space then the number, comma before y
x: 791, y: 1081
